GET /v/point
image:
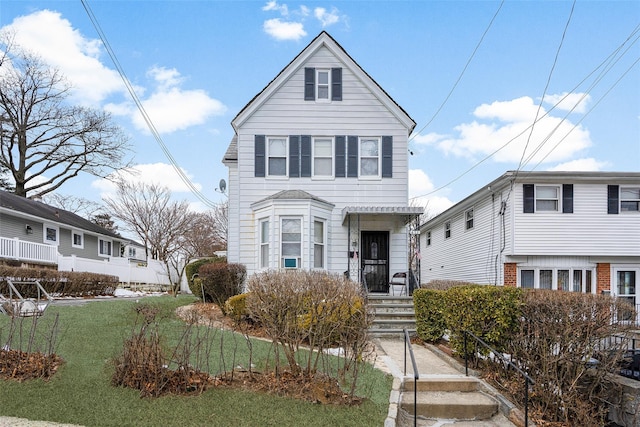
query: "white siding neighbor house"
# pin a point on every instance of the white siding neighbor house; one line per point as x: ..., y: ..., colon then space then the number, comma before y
x: 574, y: 231
x: 318, y: 172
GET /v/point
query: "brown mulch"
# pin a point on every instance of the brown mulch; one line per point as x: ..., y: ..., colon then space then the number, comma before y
x: 210, y: 315
x: 21, y: 366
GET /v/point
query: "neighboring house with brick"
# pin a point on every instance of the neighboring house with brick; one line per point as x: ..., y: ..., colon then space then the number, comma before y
x: 575, y: 231
x: 34, y: 234
x: 318, y: 172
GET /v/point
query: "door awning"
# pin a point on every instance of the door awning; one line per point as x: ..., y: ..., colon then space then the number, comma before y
x: 408, y: 213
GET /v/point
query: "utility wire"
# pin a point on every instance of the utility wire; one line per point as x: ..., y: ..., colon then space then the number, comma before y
x: 141, y: 109
x: 461, y: 74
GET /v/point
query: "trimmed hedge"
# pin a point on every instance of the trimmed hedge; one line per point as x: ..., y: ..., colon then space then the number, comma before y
x: 236, y: 307
x: 193, y: 267
x: 58, y: 283
x: 490, y: 312
x: 220, y: 281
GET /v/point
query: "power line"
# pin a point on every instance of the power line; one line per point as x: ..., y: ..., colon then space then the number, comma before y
x: 461, y: 73
x: 141, y: 108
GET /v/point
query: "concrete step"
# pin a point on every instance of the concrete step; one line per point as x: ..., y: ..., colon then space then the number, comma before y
x: 389, y: 299
x: 390, y: 332
x: 442, y: 383
x: 451, y: 405
x: 393, y: 323
x: 393, y: 308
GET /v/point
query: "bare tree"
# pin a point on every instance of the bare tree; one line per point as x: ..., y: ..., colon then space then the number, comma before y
x: 78, y: 205
x: 147, y: 211
x: 205, y: 236
x: 44, y: 141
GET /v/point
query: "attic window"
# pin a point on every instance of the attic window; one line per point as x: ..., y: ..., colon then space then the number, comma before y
x: 323, y: 84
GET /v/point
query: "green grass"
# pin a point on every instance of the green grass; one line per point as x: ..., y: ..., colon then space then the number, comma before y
x: 81, y: 392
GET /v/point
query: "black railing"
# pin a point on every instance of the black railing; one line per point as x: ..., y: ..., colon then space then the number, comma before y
x: 416, y: 374
x: 527, y: 379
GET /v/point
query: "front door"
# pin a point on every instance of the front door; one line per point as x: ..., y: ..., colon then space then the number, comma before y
x: 375, y: 260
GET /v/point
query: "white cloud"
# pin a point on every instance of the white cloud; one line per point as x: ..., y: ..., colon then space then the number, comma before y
x: 421, y: 193
x: 581, y: 165
x: 502, y: 129
x: 575, y: 102
x: 54, y: 39
x: 154, y: 173
x: 326, y: 18
x: 274, y: 6
x: 282, y: 30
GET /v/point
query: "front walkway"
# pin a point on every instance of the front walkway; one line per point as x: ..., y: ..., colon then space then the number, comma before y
x: 431, y: 363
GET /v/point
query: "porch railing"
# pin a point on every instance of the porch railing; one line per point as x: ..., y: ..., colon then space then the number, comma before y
x: 27, y: 251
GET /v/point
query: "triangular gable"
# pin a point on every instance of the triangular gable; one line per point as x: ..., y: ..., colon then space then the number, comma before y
x: 323, y: 40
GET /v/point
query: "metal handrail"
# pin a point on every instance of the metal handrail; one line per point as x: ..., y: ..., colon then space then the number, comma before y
x: 416, y: 374
x: 527, y: 379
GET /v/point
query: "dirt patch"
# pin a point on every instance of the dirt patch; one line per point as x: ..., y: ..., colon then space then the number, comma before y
x: 211, y: 315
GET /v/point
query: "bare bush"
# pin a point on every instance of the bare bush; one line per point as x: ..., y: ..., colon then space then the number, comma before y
x: 565, y: 343
x: 315, y: 310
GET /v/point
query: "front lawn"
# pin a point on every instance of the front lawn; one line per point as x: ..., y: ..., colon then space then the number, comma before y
x: 81, y: 392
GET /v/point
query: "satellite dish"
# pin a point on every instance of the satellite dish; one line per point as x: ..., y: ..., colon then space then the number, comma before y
x: 222, y: 185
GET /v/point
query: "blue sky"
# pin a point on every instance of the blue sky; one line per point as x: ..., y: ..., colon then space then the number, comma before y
x: 195, y: 64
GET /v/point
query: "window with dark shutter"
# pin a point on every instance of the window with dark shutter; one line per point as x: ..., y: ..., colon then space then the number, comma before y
x: 528, y: 198
x: 259, y: 150
x: 352, y: 156
x: 613, y: 200
x: 294, y: 156
x: 341, y: 160
x: 567, y: 198
x: 305, y: 155
x: 387, y: 156
x: 309, y: 84
x: 336, y: 84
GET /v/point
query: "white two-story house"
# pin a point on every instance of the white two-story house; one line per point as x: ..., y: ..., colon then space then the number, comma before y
x: 573, y: 231
x: 318, y: 172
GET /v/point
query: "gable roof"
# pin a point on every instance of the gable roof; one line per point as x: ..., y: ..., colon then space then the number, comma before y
x: 323, y: 40
x: 28, y: 207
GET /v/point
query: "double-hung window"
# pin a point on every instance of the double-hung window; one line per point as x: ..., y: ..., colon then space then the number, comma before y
x: 369, y: 157
x: 318, y: 244
x: 323, y: 157
x: 77, y: 239
x: 277, y: 155
x: 51, y: 234
x: 291, y: 241
x: 323, y: 80
x: 105, y: 247
x: 468, y: 219
x: 264, y: 244
x: 428, y: 238
x: 447, y: 229
x: 547, y: 198
x: 629, y: 199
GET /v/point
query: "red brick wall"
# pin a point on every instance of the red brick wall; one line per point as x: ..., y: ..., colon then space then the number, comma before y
x: 603, y: 277
x: 510, y: 274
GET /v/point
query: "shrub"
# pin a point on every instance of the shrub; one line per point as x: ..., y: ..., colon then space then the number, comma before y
x: 490, y: 312
x: 221, y: 281
x: 558, y: 336
x: 311, y: 307
x: 444, y: 285
x: 236, y: 307
x: 429, y: 308
x: 192, y: 268
x: 58, y: 283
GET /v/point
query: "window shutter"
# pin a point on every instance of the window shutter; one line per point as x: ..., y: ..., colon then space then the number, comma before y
x: 341, y: 156
x: 259, y: 155
x: 387, y: 156
x: 613, y: 192
x: 528, y: 198
x: 567, y: 198
x: 309, y: 84
x: 336, y: 84
x: 352, y: 156
x: 305, y: 155
x: 294, y: 156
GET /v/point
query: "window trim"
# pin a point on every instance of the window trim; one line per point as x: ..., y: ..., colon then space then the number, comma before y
x: 428, y: 238
x: 328, y: 85
x: 468, y: 221
x: 282, y: 242
x: 447, y: 230
x: 268, y: 157
x: 100, y: 243
x: 45, y: 239
x: 557, y: 199
x: 264, y: 264
x: 634, y: 200
x: 75, y: 233
x: 586, y: 273
x: 331, y: 141
x: 361, y: 139
x: 323, y: 244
